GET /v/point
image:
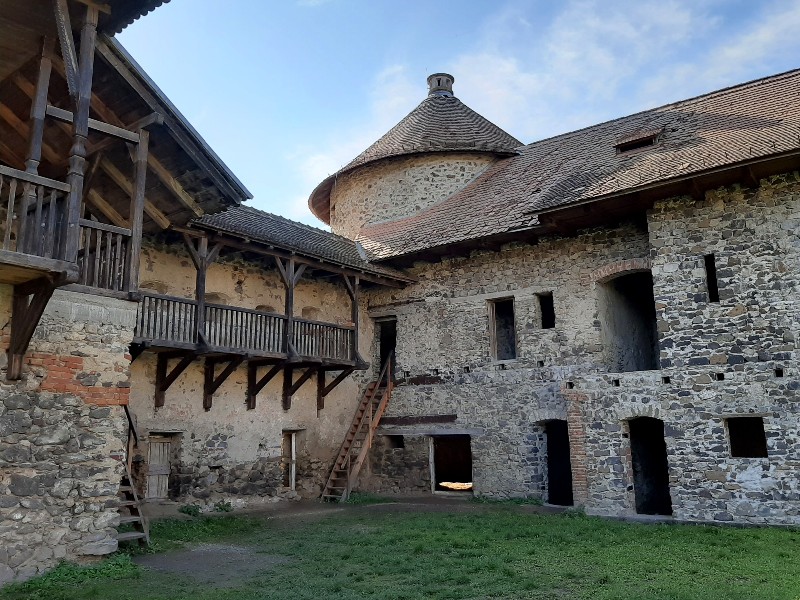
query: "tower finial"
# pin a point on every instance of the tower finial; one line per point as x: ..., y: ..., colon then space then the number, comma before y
x: 440, y: 84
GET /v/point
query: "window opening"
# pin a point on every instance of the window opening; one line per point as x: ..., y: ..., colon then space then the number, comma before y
x: 711, y: 278
x: 503, y: 330
x: 747, y: 437
x: 547, y: 310
x: 396, y: 442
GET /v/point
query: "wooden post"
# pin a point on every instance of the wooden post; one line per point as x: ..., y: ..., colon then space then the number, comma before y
x: 200, y: 289
x: 289, y: 309
x: 80, y: 129
x: 352, y: 291
x: 39, y: 107
x: 137, y: 212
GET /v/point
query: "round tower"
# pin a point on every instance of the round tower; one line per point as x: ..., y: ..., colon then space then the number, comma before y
x: 436, y: 150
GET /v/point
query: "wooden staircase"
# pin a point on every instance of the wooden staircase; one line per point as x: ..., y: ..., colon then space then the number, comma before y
x: 129, y: 501
x: 358, y: 439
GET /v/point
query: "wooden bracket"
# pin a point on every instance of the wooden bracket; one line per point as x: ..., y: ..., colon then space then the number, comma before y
x: 28, y: 305
x: 255, y: 385
x: 323, y: 389
x: 165, y: 379
x: 212, y: 381
x: 67, y: 42
x: 290, y: 388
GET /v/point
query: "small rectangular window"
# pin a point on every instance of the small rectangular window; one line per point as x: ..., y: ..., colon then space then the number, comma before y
x: 711, y: 278
x: 395, y: 442
x: 547, y: 310
x: 504, y: 342
x: 747, y: 437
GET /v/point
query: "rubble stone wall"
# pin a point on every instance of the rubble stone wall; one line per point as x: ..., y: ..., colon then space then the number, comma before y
x: 62, y: 434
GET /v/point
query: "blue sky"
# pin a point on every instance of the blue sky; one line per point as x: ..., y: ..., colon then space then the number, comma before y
x: 288, y: 91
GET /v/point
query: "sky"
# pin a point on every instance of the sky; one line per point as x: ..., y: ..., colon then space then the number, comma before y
x: 288, y: 91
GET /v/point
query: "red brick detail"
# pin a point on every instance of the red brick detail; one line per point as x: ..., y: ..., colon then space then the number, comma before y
x: 577, y: 446
x: 610, y: 271
x: 61, y: 377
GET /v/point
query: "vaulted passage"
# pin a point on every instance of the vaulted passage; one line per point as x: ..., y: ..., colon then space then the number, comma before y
x: 628, y: 316
x: 650, y: 468
x: 452, y: 463
x: 559, y: 469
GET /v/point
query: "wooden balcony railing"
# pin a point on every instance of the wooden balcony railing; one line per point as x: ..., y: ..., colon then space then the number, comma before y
x: 32, y: 214
x: 104, y: 256
x: 169, y: 321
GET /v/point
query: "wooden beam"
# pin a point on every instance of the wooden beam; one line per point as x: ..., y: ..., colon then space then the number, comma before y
x: 64, y: 27
x: 290, y: 388
x: 27, y: 307
x: 212, y: 382
x: 100, y: 6
x: 255, y: 385
x: 172, y: 184
x: 126, y: 186
x: 120, y: 133
x: 323, y: 389
x: 131, y: 281
x: 10, y: 117
x: 96, y: 200
x: 164, y: 377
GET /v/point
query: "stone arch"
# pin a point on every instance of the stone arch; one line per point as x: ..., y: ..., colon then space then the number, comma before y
x: 623, y: 267
x: 543, y: 415
x: 633, y: 411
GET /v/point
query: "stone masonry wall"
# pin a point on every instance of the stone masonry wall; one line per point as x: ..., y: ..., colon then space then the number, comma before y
x: 400, y: 187
x: 393, y: 470
x: 62, y: 431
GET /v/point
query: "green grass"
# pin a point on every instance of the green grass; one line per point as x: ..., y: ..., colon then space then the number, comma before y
x: 488, y: 551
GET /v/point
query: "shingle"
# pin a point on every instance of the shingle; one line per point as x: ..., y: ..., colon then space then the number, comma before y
x: 267, y: 228
x: 755, y: 119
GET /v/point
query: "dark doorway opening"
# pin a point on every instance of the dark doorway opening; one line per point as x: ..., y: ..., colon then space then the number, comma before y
x: 504, y: 337
x: 387, y: 341
x: 628, y: 317
x: 559, y: 468
x: 452, y: 463
x: 650, y: 468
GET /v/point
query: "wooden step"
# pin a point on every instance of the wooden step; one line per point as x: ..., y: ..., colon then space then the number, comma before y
x: 125, y: 489
x: 131, y: 535
x: 128, y: 503
x: 130, y: 519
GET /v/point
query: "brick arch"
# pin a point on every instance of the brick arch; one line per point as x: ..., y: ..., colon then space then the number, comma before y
x: 610, y: 271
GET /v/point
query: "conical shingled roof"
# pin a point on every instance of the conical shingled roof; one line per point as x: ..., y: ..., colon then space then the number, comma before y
x: 441, y: 123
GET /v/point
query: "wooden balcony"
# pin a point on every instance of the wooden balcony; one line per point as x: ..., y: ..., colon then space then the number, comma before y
x: 169, y: 323
x: 33, y: 228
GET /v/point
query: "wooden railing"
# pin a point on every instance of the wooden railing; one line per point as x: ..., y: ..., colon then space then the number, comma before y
x: 231, y: 327
x: 311, y: 338
x: 172, y: 321
x: 32, y: 214
x: 104, y: 257
x: 167, y: 319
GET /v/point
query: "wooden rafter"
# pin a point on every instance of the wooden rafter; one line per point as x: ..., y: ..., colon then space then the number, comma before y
x: 10, y: 117
x: 166, y: 377
x: 212, y: 381
x: 126, y: 185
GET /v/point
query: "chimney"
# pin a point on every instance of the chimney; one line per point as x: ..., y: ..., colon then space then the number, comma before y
x: 440, y: 84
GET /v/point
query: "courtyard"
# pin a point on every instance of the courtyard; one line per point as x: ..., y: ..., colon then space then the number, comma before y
x: 433, y: 548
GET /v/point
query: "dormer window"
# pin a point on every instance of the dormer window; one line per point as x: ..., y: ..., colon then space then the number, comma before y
x: 638, y: 139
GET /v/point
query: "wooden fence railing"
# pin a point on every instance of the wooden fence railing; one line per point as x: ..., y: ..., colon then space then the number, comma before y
x: 32, y: 214
x: 169, y: 320
x: 103, y: 260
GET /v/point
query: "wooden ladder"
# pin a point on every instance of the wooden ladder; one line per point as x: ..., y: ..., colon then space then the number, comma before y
x: 358, y: 439
x: 129, y: 499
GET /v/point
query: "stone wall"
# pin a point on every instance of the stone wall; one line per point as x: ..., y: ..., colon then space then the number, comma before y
x: 400, y: 187
x: 62, y: 433
x: 392, y: 468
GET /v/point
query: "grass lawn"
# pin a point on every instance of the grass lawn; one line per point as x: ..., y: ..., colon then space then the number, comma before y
x: 487, y: 551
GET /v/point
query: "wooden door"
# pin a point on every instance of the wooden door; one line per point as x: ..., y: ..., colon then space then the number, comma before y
x: 158, y: 469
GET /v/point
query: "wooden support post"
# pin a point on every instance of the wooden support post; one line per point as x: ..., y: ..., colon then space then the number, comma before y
x: 212, y: 381
x: 28, y: 305
x: 165, y: 378
x: 255, y: 385
x: 80, y: 128
x: 323, y: 389
x: 39, y: 107
x: 352, y: 291
x: 131, y: 283
x: 289, y: 387
x: 202, y: 258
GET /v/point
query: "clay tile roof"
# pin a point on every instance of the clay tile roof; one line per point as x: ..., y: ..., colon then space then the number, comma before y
x: 718, y: 130
x: 267, y: 228
x: 438, y: 124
